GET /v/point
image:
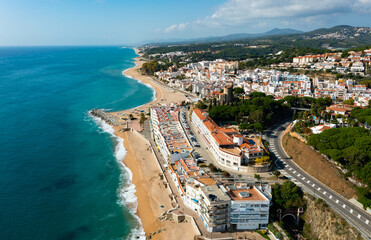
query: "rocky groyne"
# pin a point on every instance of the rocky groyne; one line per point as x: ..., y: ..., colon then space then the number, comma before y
x: 108, y: 118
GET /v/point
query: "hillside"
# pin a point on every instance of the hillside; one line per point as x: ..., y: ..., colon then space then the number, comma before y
x: 242, y: 47
x: 229, y: 37
x: 317, y: 166
x: 321, y: 222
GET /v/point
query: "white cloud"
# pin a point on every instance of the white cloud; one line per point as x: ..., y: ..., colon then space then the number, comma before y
x: 257, y: 12
x: 176, y: 27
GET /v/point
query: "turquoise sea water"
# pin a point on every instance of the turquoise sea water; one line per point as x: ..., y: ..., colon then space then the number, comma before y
x: 59, y: 177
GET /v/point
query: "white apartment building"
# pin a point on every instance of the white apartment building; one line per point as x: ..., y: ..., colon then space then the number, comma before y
x: 214, y: 208
x: 228, y: 208
x: 249, y: 208
x: 228, y: 146
x: 168, y: 134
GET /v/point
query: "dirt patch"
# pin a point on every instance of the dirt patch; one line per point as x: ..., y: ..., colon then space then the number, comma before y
x: 318, y: 166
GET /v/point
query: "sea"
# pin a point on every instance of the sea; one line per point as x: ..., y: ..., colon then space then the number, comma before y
x: 61, y: 175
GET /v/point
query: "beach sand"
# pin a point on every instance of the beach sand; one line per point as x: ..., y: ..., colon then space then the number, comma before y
x: 150, y: 191
x: 153, y: 197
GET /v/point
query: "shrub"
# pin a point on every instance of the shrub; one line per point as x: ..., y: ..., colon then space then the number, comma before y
x: 226, y: 174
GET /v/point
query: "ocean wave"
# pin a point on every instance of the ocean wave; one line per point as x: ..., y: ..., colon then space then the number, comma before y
x: 126, y: 191
x: 154, y: 97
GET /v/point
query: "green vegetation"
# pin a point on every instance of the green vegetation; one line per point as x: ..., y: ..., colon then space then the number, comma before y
x: 287, y: 195
x: 366, y: 82
x: 255, y: 113
x: 275, y: 231
x: 262, y: 160
x: 351, y: 147
x: 364, y: 196
x: 238, y: 91
x: 261, y: 111
x: 151, y: 67
x: 276, y: 173
x: 263, y: 233
x: 349, y: 101
x: 362, y: 115
x: 286, y: 56
x: 259, y: 48
x: 142, y: 119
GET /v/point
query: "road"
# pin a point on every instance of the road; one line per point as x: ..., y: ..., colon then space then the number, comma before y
x: 357, y: 217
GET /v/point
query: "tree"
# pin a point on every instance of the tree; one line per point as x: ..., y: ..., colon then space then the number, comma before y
x: 238, y: 91
x: 262, y: 159
x: 257, y: 116
x: 225, y: 174
x: 349, y: 102
x: 201, y: 105
x: 276, y: 173
x: 131, y: 116
x: 257, y: 176
x: 142, y: 119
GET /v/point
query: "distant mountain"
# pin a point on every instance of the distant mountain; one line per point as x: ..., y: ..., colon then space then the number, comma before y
x: 341, y: 36
x: 338, y: 32
x: 231, y: 37
x: 282, y: 31
x: 242, y: 46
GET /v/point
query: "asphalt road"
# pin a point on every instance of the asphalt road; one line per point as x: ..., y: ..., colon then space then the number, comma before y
x: 357, y: 217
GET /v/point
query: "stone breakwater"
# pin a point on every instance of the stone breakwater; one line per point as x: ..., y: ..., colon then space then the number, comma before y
x: 108, y: 118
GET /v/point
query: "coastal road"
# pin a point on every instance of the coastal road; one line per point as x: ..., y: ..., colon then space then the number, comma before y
x: 355, y: 216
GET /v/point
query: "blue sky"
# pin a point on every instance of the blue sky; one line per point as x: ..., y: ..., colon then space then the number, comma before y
x: 119, y: 22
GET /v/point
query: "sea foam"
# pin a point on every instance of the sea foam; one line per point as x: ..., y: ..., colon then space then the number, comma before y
x: 126, y: 191
x: 154, y: 97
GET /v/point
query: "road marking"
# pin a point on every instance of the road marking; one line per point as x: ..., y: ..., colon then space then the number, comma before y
x: 290, y: 169
x: 367, y: 221
x: 351, y: 211
x: 330, y: 196
x: 344, y: 205
x: 324, y: 193
x: 359, y: 216
x: 319, y: 189
x: 303, y: 178
x: 308, y: 181
x: 313, y: 185
x: 294, y: 171
x: 299, y: 175
x: 337, y: 201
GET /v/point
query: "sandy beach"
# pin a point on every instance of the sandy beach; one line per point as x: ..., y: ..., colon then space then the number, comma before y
x: 153, y: 197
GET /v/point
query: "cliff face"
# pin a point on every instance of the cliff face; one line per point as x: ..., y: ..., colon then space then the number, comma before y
x: 321, y: 222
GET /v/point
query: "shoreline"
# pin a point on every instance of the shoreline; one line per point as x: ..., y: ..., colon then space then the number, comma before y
x: 152, y: 197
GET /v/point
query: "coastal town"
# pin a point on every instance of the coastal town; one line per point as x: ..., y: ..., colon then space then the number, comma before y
x: 185, y: 120
x: 207, y: 79
x: 219, y: 177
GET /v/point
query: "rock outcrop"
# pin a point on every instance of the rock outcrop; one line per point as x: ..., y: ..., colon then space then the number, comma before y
x: 321, y: 222
x: 108, y: 118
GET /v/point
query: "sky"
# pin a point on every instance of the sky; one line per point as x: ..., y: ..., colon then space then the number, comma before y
x: 133, y: 22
